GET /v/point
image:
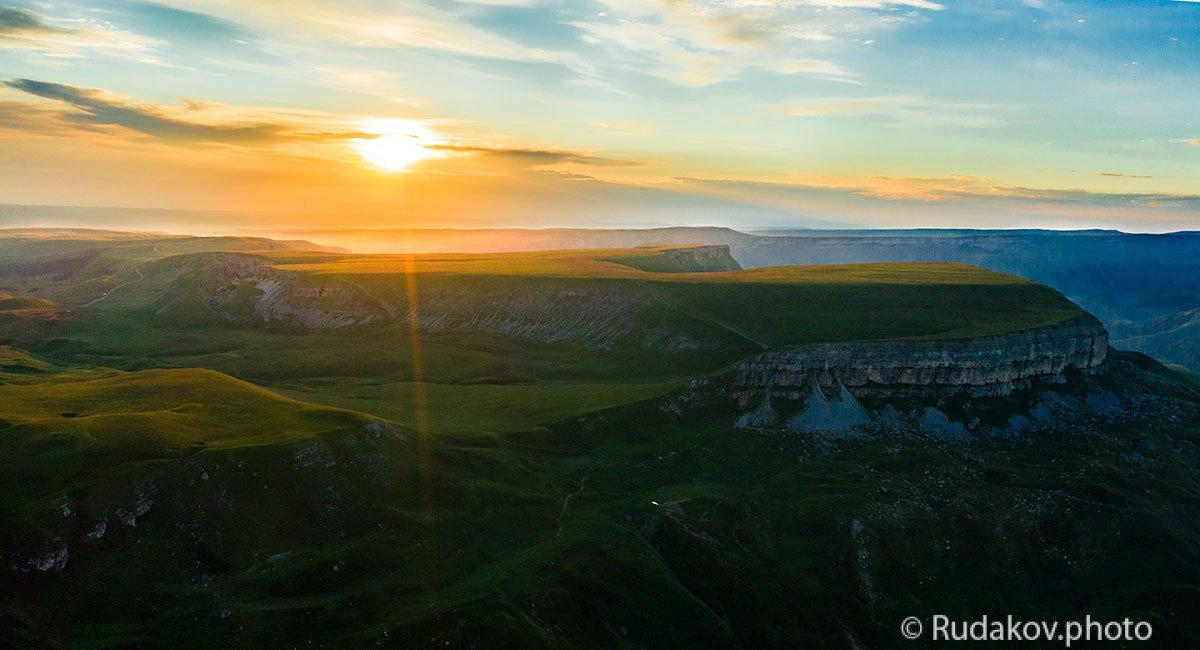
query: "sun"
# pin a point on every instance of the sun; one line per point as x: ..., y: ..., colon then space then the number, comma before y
x: 399, y: 144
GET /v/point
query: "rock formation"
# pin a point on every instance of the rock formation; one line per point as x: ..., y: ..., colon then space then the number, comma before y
x: 704, y: 259
x: 982, y: 366
x: 247, y: 290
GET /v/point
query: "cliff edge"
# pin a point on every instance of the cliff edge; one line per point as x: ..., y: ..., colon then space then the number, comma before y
x: 987, y: 366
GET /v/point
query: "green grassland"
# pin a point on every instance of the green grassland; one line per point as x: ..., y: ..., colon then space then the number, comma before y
x: 738, y: 313
x: 76, y: 266
x: 486, y: 381
x: 630, y: 528
x: 65, y: 428
x: 422, y: 487
x: 804, y: 304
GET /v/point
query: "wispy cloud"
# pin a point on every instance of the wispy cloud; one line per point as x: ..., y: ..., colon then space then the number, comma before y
x: 700, y: 43
x: 16, y: 21
x: 948, y: 201
x: 303, y: 133
x: 419, y: 25
x: 187, y: 36
x: 905, y: 109
x: 532, y: 158
x: 23, y: 29
x: 1119, y: 175
x: 691, y: 44
x: 95, y: 107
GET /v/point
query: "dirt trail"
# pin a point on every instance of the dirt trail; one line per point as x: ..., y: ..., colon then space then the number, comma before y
x: 567, y: 502
x: 108, y: 293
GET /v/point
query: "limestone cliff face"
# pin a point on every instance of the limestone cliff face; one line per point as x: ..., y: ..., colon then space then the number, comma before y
x: 596, y: 315
x: 705, y: 259
x: 247, y: 290
x: 983, y: 366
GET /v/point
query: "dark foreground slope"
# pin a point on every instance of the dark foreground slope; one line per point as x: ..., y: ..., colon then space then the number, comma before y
x: 656, y: 524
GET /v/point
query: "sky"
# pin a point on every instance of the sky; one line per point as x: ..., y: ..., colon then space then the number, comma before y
x: 744, y: 113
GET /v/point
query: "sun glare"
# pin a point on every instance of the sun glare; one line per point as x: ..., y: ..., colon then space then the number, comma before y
x: 399, y: 144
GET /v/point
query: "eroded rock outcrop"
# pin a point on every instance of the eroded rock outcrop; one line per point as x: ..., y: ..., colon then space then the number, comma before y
x: 704, y: 259
x: 596, y: 315
x: 983, y: 366
x: 247, y: 290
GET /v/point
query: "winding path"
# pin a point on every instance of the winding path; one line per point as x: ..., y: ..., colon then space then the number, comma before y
x: 108, y: 293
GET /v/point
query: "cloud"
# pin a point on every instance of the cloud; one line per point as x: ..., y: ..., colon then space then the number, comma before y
x: 709, y: 41
x: 420, y: 25
x: 380, y: 84
x: 952, y: 201
x: 599, y: 43
x: 544, y: 26
x: 94, y: 107
x: 192, y: 34
x: 531, y: 158
x: 303, y: 134
x: 25, y: 30
x: 14, y: 20
x: 958, y: 186
x: 1119, y: 175
x: 904, y: 109
x: 181, y: 24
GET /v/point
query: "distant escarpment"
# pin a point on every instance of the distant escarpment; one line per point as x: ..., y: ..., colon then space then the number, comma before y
x: 989, y: 366
x: 705, y: 258
x: 685, y: 259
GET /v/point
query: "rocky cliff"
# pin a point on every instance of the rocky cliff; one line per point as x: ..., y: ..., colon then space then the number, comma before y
x: 593, y: 314
x: 247, y: 290
x: 704, y: 259
x: 984, y: 366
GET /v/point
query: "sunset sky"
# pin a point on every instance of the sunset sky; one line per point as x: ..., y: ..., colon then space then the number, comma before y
x: 861, y: 113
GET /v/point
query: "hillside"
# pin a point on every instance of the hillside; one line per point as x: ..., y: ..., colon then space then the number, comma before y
x: 114, y: 478
x: 941, y: 300
x: 271, y: 447
x: 335, y: 529
x: 1127, y: 280
x: 501, y: 342
x: 91, y: 427
x: 78, y: 267
x: 1174, y: 338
